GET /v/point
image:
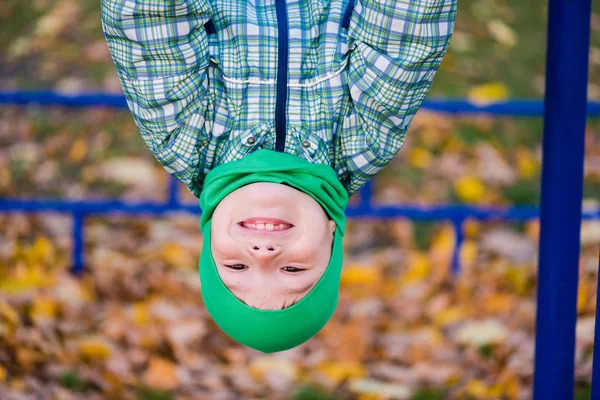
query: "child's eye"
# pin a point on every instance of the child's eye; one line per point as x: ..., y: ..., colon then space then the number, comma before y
x: 292, y: 269
x: 237, y: 267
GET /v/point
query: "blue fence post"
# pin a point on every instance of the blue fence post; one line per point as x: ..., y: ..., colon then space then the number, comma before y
x: 596, y: 361
x: 562, y: 186
x: 457, y: 223
x: 366, y: 198
x: 173, y: 190
x: 77, y: 236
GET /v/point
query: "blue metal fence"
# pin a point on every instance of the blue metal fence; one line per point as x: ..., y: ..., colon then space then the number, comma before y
x: 564, y: 114
x: 366, y: 208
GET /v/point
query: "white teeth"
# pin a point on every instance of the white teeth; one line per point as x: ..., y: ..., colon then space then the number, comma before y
x: 266, y: 226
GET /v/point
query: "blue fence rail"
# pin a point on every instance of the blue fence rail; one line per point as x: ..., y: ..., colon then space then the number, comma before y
x: 365, y: 209
x: 509, y: 108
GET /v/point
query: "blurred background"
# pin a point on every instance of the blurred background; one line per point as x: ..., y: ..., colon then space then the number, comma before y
x: 133, y: 326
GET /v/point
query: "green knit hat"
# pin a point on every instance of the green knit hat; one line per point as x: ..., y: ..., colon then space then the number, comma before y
x: 273, y: 330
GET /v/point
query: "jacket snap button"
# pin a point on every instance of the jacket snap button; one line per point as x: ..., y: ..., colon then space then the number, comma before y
x: 306, y: 144
x: 251, y: 140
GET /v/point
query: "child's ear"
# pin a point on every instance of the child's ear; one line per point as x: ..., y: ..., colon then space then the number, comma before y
x: 331, y: 226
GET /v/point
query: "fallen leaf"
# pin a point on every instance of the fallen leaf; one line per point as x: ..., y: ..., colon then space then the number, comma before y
x: 469, y: 189
x: 417, y: 270
x: 359, y: 275
x: 420, y: 157
x: 377, y: 388
x: 480, y: 333
x: 78, y: 151
x: 502, y: 33
x: 336, y: 371
x: 488, y: 93
x: 161, y: 374
x: 94, y: 347
x: 9, y: 313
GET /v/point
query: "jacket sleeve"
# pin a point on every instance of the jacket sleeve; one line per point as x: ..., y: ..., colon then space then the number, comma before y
x: 160, y: 50
x: 396, y: 47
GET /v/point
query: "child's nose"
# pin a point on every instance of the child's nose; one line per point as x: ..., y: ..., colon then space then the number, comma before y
x: 265, y: 251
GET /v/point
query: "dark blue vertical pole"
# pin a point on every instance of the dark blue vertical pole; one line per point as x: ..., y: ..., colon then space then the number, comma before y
x: 77, y: 233
x: 596, y: 364
x: 459, y: 239
x: 562, y: 186
x: 173, y: 191
x: 366, y: 197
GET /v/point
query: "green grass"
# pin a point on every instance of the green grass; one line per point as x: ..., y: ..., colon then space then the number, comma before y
x: 146, y: 393
x: 311, y: 392
x: 429, y: 394
x: 70, y: 380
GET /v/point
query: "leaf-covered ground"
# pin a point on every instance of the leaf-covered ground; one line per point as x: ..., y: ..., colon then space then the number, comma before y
x: 133, y: 327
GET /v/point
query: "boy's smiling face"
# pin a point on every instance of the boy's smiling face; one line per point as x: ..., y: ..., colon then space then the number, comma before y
x: 271, y: 243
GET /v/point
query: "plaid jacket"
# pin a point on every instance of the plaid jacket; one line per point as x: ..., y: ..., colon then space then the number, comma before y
x: 336, y: 82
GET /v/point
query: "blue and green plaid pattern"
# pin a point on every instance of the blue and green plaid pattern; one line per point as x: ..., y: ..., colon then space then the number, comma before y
x: 203, y: 99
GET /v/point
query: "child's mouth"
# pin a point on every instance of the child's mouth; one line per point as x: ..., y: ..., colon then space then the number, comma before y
x: 266, y: 224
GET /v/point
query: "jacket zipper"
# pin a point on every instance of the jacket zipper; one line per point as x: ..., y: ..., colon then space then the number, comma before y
x: 282, y: 72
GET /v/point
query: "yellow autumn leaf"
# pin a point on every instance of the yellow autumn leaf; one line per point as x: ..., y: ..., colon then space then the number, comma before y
x: 177, y: 256
x: 418, y: 268
x: 527, y: 164
x: 583, y: 294
x: 78, y: 150
x: 476, y: 388
x: 389, y: 288
x: 139, y: 313
x: 471, y: 228
x: 371, y: 396
x: 93, y: 347
x: 454, y: 145
x: 28, y: 358
x: 518, y: 277
x: 488, y: 93
x: 25, y: 278
x: 510, y: 387
x: 9, y: 313
x: 420, y: 157
x: 41, y: 251
x: 498, y: 303
x: 360, y: 275
x: 43, y: 306
x: 443, y: 242
x: 468, y: 252
x: 449, y: 315
x: 469, y: 189
x: 2, y: 374
x: 336, y: 371
x: 161, y: 374
x: 495, y: 391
